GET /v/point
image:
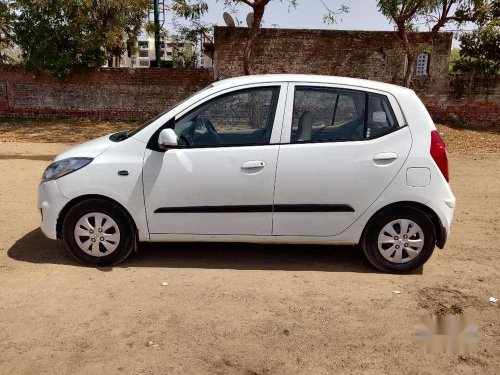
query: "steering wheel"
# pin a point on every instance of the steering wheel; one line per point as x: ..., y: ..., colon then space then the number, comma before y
x: 211, y: 131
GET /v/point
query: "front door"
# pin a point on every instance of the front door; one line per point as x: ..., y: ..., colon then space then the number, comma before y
x: 341, y: 149
x: 220, y: 180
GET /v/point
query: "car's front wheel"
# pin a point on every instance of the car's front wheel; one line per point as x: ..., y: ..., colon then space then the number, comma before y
x: 98, y: 233
x: 399, y: 239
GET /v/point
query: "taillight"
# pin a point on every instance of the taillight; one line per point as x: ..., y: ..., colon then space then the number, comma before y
x: 438, y: 153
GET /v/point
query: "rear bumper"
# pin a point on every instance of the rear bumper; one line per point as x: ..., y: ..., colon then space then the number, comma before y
x: 50, y: 202
x: 444, y: 207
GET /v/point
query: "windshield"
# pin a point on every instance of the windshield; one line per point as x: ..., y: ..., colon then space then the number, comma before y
x: 135, y: 131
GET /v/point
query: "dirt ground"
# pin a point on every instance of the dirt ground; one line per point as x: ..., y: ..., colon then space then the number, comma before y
x: 242, y: 309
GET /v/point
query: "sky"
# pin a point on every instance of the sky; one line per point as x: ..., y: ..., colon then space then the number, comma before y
x: 363, y: 15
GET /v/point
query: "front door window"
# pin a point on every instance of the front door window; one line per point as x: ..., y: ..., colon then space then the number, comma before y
x: 243, y: 117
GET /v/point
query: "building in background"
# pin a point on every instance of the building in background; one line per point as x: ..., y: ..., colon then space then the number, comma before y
x: 144, y: 56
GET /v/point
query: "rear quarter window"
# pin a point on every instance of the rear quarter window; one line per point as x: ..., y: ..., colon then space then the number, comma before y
x: 381, y: 119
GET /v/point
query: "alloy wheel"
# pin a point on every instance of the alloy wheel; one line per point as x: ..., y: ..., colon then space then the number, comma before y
x: 400, y: 241
x: 97, y: 234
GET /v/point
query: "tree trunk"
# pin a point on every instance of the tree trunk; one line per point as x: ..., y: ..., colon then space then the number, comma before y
x: 410, y: 53
x: 410, y: 67
x: 254, y: 32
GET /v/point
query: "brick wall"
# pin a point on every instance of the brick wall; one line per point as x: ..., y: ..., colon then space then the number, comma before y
x: 121, y: 94
x: 462, y: 100
x: 362, y: 54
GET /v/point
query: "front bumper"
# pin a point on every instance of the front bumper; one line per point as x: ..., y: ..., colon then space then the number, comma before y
x: 50, y: 202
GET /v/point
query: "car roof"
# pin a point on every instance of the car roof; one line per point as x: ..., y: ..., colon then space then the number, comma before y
x: 310, y: 78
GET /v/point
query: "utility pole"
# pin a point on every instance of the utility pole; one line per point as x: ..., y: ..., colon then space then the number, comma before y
x: 157, y: 32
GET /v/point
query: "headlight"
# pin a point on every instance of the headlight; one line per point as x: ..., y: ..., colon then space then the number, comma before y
x: 63, y: 167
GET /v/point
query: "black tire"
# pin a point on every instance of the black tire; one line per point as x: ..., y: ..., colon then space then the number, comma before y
x: 369, y: 241
x: 127, y: 230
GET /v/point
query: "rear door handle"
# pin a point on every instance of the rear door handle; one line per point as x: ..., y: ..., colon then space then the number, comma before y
x: 385, y: 156
x: 253, y: 164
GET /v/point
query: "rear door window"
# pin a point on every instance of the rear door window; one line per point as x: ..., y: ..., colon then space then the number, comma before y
x: 329, y: 115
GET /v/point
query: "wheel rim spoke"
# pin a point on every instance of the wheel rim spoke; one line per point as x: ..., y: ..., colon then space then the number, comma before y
x: 387, y: 239
x: 82, y: 232
x: 416, y: 243
x: 414, y: 229
x: 108, y: 246
x: 404, y: 224
x: 86, y: 245
x: 398, y: 255
x: 388, y: 252
x: 390, y: 229
x: 412, y: 253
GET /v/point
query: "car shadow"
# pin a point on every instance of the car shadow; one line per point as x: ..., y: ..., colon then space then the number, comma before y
x: 34, y: 247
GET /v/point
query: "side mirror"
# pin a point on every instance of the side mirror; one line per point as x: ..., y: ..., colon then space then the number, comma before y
x: 167, y: 139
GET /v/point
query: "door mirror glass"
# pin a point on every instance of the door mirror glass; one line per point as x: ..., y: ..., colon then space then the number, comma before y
x: 167, y: 138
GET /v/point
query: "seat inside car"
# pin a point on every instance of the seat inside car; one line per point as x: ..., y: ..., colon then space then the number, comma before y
x: 304, y: 129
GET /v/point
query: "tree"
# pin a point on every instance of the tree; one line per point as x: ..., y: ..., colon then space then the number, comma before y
x: 480, y: 49
x: 405, y: 15
x: 189, y: 29
x: 7, y: 18
x: 454, y: 56
x: 259, y: 7
x: 56, y: 36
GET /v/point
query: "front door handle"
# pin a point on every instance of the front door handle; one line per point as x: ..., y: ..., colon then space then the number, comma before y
x: 385, y: 157
x: 253, y: 164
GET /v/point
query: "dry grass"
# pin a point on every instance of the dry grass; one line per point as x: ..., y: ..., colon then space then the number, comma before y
x: 471, y: 142
x: 458, y: 140
x: 58, y: 130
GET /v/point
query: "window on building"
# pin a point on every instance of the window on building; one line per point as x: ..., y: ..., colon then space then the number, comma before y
x: 143, y: 44
x: 143, y: 53
x: 422, y: 64
x: 144, y: 63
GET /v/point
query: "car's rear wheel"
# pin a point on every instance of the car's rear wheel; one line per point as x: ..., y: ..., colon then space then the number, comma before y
x: 399, y: 239
x: 98, y: 233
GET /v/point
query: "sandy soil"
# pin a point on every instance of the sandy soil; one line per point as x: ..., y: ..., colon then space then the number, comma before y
x: 240, y: 309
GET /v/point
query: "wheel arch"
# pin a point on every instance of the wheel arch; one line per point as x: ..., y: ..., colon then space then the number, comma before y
x: 81, y: 198
x: 436, y: 221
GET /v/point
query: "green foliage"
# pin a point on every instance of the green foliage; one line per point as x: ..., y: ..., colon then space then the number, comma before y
x: 480, y: 49
x: 188, y: 25
x: 56, y: 36
x: 7, y: 18
x: 183, y: 54
x: 454, y: 56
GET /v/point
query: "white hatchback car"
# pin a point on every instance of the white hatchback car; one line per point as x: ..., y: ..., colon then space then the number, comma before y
x: 268, y: 159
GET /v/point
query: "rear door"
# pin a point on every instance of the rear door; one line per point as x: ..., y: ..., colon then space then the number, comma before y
x: 340, y: 149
